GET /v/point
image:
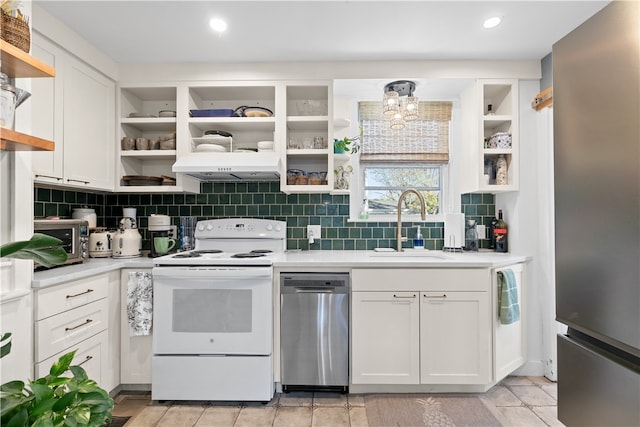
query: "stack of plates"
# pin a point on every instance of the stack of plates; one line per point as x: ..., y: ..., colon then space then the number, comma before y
x: 210, y: 147
x: 265, y: 145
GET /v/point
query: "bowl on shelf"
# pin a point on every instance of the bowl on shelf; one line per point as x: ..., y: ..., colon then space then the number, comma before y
x: 166, y: 113
x: 210, y: 148
x: 140, y: 180
x: 167, y: 144
x: 265, y: 145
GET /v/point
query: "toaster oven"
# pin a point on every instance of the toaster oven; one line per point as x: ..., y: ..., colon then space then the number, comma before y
x: 74, y: 234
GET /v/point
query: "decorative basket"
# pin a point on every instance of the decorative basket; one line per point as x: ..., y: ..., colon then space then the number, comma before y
x: 16, y: 31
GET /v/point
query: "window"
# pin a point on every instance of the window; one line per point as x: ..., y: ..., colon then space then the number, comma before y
x: 392, y: 161
x: 383, y: 185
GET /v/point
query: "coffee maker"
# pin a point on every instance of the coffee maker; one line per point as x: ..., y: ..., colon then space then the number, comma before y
x: 159, y: 226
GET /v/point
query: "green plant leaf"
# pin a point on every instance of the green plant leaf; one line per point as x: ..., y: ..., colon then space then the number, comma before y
x: 41, y: 248
x: 11, y: 403
x: 20, y: 419
x: 44, y: 421
x: 79, y: 374
x: 94, y: 398
x: 62, y: 365
x: 41, y: 391
x: 82, y: 414
x: 12, y: 387
x: 65, y: 401
x: 41, y: 408
x: 6, y: 348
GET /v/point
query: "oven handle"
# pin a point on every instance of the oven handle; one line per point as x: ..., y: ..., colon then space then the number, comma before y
x: 212, y: 273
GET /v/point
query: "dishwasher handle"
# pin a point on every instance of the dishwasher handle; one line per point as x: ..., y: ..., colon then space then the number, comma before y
x: 316, y: 290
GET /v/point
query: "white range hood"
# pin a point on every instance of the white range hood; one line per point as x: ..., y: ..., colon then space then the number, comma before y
x: 262, y: 166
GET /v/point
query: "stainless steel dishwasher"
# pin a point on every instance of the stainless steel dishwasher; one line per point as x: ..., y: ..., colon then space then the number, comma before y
x: 314, y: 331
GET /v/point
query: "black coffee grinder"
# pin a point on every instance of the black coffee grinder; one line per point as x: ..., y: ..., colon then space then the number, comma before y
x: 161, y: 241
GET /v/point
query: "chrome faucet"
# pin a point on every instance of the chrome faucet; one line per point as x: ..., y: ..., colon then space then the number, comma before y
x: 422, y: 213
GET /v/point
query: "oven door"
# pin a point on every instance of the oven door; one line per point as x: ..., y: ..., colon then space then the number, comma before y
x: 212, y: 310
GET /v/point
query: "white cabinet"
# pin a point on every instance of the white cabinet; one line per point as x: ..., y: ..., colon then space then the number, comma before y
x: 138, y: 110
x: 136, y: 351
x: 455, y: 338
x: 385, y: 338
x: 489, y: 135
x: 309, y: 138
x: 76, y: 316
x: 75, y: 110
x: 421, y: 326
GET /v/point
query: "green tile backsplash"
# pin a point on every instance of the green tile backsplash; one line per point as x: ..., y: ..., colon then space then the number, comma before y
x: 262, y: 200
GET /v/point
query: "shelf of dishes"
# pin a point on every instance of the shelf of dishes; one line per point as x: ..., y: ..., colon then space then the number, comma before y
x: 300, y: 177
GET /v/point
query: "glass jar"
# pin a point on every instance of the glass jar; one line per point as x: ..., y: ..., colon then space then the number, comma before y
x: 501, y: 171
x: 7, y: 102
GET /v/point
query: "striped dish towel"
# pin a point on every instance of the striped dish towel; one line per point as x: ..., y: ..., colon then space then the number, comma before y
x: 508, y: 304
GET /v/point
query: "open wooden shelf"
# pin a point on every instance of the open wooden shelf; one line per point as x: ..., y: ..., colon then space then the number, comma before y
x: 11, y: 140
x: 17, y: 63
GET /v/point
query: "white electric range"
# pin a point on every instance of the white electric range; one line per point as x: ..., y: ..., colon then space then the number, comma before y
x: 213, y: 313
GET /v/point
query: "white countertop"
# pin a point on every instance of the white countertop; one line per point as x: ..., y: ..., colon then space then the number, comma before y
x: 408, y: 258
x: 91, y: 267
x: 310, y: 259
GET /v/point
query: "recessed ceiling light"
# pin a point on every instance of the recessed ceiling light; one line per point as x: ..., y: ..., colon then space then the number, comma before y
x: 492, y: 22
x: 218, y: 25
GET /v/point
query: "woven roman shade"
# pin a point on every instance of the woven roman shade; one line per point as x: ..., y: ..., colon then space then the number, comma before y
x: 423, y: 140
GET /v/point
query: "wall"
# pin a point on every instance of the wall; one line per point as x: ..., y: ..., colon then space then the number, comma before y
x: 261, y: 200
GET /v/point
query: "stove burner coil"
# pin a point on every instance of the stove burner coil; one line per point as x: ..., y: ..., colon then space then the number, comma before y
x: 208, y: 251
x: 261, y: 251
x: 248, y: 255
x: 187, y: 255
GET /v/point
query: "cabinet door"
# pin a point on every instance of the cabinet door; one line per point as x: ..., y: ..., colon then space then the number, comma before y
x: 88, y: 127
x: 455, y: 338
x: 385, y: 337
x: 510, y: 342
x: 46, y: 112
x: 135, y: 351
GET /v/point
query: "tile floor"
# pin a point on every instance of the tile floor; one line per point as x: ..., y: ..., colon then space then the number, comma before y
x: 516, y: 401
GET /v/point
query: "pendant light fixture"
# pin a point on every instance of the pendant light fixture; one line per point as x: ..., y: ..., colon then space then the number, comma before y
x: 399, y: 110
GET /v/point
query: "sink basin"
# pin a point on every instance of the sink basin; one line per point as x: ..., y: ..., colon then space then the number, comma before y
x: 409, y: 253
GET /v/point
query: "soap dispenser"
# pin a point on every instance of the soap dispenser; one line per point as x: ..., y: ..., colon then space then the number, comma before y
x: 418, y: 242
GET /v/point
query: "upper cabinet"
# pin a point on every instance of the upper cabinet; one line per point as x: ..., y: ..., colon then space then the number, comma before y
x: 490, y: 137
x: 76, y: 110
x: 16, y: 64
x: 308, y: 129
x: 147, y: 143
x: 230, y: 117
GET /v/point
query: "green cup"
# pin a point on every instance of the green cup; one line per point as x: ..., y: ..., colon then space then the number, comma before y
x: 163, y: 244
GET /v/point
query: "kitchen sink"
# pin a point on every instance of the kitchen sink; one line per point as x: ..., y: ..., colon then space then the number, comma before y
x: 409, y: 253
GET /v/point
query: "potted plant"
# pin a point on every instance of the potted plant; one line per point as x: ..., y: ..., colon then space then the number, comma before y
x: 341, y: 146
x: 54, y: 400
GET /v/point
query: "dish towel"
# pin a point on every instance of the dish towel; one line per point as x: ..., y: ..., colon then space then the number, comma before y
x: 508, y: 305
x: 140, y: 303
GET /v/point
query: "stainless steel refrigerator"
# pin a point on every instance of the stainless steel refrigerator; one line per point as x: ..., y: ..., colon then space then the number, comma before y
x: 596, y: 103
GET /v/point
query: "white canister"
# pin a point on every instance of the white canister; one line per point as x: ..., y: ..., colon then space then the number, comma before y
x: 7, y: 103
x: 86, y: 214
x: 129, y: 213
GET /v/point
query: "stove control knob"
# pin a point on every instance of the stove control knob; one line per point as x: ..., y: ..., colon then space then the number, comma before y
x: 201, y: 227
x: 269, y: 227
x: 278, y: 228
x: 209, y: 227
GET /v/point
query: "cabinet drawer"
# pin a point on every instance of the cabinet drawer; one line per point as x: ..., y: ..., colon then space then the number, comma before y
x: 56, y: 299
x: 91, y: 354
x: 57, y: 333
x: 420, y: 279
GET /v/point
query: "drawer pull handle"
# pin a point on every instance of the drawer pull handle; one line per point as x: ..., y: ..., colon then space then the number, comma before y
x: 76, y: 327
x: 85, y: 360
x: 48, y: 176
x: 401, y: 296
x: 81, y: 293
x: 436, y: 296
x: 78, y: 180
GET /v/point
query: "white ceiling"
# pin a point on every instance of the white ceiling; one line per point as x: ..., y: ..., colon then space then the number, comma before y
x: 148, y: 31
